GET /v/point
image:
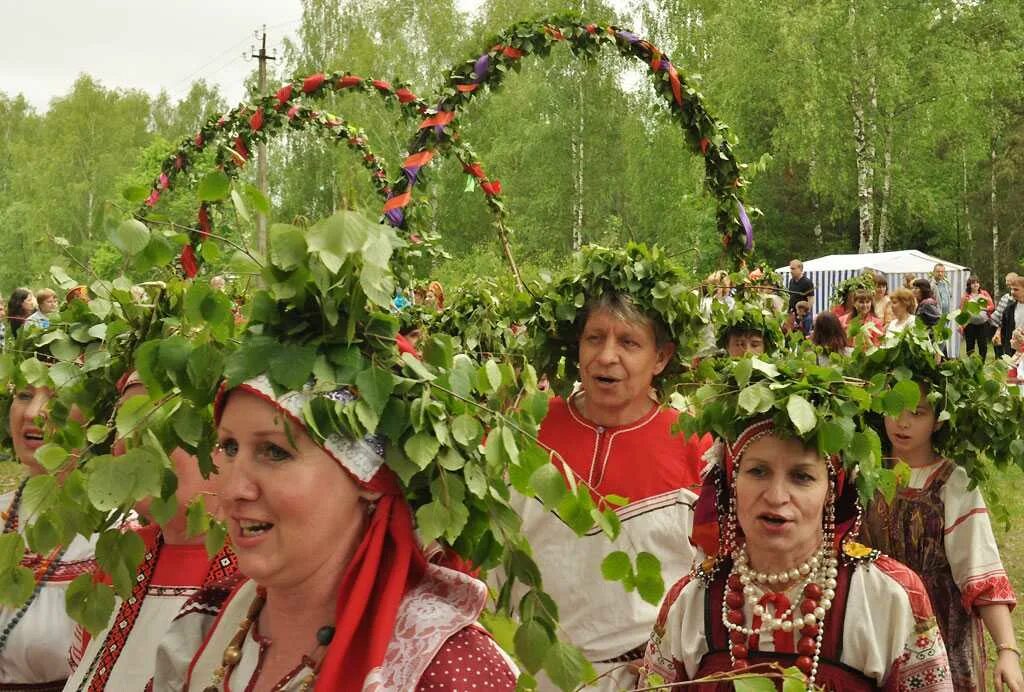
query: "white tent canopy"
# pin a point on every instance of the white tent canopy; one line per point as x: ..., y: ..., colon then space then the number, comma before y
x: 827, y: 272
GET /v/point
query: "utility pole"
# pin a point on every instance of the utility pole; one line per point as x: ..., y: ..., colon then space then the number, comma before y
x: 261, y: 148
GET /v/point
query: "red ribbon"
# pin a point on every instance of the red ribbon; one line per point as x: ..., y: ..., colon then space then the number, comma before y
x: 491, y: 187
x: 241, y: 151
x: 783, y: 640
x: 405, y: 96
x: 677, y: 88
x: 442, y: 118
x: 179, y: 162
x: 198, y: 141
x: 312, y: 83
x: 419, y: 159
x: 466, y: 88
x: 188, y: 262
x: 284, y: 94
x: 591, y: 28
x: 256, y: 120
x: 204, y: 220
x: 349, y: 80
x: 165, y: 182
x: 704, y: 142
x: 397, y: 202
x: 292, y: 112
x: 474, y: 169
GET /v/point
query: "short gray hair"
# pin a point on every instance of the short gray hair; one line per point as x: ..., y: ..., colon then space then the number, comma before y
x: 622, y: 307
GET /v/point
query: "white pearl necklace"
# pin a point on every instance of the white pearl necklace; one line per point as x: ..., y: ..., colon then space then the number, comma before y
x: 820, y: 569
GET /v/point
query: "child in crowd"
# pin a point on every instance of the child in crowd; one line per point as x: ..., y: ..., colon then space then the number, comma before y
x: 939, y: 526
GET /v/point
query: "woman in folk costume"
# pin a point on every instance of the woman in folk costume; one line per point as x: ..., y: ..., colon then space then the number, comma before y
x: 335, y: 591
x: 175, y: 566
x: 939, y: 525
x: 35, y: 638
x: 784, y: 581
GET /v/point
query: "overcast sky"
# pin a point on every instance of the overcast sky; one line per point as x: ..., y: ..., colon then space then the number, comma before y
x: 46, y: 44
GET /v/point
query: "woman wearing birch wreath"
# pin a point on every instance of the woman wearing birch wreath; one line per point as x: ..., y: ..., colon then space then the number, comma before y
x: 784, y: 581
x: 337, y: 592
x: 938, y: 524
x: 36, y: 636
x: 174, y: 567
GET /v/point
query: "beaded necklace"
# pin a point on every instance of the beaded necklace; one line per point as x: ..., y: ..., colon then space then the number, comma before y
x: 10, y: 516
x: 233, y: 651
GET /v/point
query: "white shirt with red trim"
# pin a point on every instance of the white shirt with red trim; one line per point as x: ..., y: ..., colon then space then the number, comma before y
x: 970, y: 543
x: 37, y: 647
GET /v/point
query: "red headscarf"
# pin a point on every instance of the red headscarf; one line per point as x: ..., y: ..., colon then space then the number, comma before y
x: 387, y: 563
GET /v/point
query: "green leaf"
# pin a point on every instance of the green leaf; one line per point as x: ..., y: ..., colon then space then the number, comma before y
x: 51, y: 456
x: 566, y: 666
x: 97, y: 433
x: 119, y: 554
x: 215, y: 537
x: 616, y: 566
x: 12, y: 550
x: 197, y: 520
x: 375, y: 386
x: 909, y: 392
x: 131, y: 413
x: 35, y: 372
x: 493, y: 375
x: 649, y: 582
x: 835, y: 435
x: 131, y: 237
x: 549, y: 485
x: 432, y: 520
x: 801, y: 413
x: 90, y: 603
x: 240, y: 208
x: 756, y: 398
x: 742, y: 370
x: 136, y: 194
x: 16, y: 586
x: 291, y: 365
x: 214, y: 186
x: 532, y: 643
x: 756, y: 684
x: 287, y: 246
x: 40, y: 494
x: 422, y: 448
x: 467, y: 430
x: 161, y: 510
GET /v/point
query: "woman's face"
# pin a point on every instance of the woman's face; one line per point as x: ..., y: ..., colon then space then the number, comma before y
x: 899, y: 309
x: 911, y: 432
x: 29, y: 306
x: 49, y: 305
x: 292, y: 512
x: 917, y: 293
x: 28, y: 418
x: 880, y: 290
x: 974, y: 287
x: 863, y: 303
x: 781, y: 487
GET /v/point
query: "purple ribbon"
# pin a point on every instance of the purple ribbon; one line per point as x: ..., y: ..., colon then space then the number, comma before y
x: 747, y: 227
x: 481, y: 67
x: 411, y: 174
x: 395, y: 217
x: 627, y: 36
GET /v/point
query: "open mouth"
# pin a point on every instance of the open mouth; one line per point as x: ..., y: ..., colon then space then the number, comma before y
x: 604, y: 379
x: 35, y: 436
x: 773, y: 519
x: 254, y: 528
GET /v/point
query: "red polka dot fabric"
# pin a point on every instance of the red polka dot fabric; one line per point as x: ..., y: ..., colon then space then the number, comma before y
x: 469, y: 660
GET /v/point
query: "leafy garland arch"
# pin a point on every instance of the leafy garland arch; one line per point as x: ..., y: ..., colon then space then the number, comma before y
x: 250, y: 124
x: 703, y: 133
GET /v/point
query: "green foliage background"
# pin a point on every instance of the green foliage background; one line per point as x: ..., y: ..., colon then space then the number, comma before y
x: 944, y: 113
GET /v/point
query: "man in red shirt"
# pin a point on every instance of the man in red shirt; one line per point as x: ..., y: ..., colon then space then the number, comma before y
x: 613, y: 434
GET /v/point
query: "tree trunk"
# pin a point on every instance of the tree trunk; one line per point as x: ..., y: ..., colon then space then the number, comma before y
x: 865, y: 174
x: 883, y: 212
x: 995, y: 215
x: 577, y: 153
x: 815, y: 202
x: 966, y: 211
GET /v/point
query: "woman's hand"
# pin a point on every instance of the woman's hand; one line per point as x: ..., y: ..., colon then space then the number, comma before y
x: 1007, y: 675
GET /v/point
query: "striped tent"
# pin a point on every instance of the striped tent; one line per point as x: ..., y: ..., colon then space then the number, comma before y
x: 826, y: 272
